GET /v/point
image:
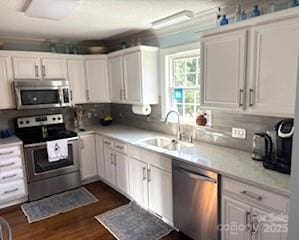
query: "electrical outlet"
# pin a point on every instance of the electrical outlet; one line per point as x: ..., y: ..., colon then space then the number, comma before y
x: 239, y: 133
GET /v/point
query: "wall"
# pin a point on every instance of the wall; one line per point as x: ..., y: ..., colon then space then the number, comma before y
x: 93, y: 112
x: 219, y: 134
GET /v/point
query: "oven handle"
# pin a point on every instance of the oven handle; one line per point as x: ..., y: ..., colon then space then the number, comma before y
x: 44, y: 143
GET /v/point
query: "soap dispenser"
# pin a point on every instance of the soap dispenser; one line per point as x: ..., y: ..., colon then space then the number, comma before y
x: 256, y: 12
x: 224, y: 21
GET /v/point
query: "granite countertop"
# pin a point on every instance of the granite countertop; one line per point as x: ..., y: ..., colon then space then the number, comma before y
x: 225, y: 161
x: 7, y: 142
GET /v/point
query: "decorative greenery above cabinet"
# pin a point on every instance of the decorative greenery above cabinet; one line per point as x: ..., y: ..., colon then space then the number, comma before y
x: 247, y: 68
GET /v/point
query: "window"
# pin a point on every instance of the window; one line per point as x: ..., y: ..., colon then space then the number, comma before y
x: 184, y: 73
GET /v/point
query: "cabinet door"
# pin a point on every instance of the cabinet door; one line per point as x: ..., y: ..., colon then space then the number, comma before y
x: 97, y: 80
x: 122, y: 180
x: 53, y: 68
x: 274, y: 68
x: 6, y: 86
x: 88, y: 157
x: 223, y: 71
x: 160, y: 192
x: 235, y: 218
x: 109, y: 166
x: 76, y: 76
x: 100, y: 156
x: 138, y: 181
x: 26, y: 68
x: 115, y: 66
x: 132, y: 77
x: 267, y: 226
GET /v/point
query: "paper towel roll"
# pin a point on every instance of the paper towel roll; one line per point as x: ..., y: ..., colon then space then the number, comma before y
x: 142, y: 109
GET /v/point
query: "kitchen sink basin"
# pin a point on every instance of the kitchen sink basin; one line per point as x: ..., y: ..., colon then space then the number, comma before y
x: 170, y: 144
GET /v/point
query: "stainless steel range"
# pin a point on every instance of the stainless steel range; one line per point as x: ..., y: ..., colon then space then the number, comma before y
x: 45, y: 177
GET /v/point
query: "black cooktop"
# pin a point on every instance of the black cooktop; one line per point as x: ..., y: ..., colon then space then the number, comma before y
x: 35, y: 134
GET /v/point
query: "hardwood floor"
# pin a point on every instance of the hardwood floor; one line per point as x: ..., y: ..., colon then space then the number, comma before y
x: 76, y: 224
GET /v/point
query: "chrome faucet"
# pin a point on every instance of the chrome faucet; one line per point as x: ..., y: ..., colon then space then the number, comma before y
x: 179, y: 130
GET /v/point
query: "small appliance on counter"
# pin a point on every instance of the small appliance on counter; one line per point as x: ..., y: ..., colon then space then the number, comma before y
x: 261, y: 146
x: 282, y: 156
x: 275, y: 148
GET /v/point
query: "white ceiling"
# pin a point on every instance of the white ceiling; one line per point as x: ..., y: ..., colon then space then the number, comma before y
x: 94, y: 19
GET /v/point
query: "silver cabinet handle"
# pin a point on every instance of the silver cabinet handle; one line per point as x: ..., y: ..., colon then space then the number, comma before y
x: 71, y: 95
x: 43, y: 70
x: 36, y: 70
x: 10, y: 191
x: 82, y: 143
x: 111, y: 159
x: 87, y: 94
x: 144, y: 173
x: 120, y: 94
x: 9, y: 176
x: 115, y: 162
x: 108, y: 143
x: 251, y: 92
x: 252, y: 195
x: 7, y: 164
x: 119, y: 147
x: 254, y: 224
x: 149, y: 175
x: 6, y: 153
x: 241, y: 99
x: 248, y: 221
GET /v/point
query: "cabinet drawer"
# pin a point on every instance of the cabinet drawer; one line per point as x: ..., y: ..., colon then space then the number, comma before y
x: 108, y: 143
x: 11, y: 190
x: 11, y: 174
x: 157, y: 160
x: 10, y: 163
x: 134, y: 152
x: 255, y: 194
x: 9, y: 152
x: 120, y: 147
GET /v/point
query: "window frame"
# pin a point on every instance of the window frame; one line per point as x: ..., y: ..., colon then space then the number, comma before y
x: 167, y: 56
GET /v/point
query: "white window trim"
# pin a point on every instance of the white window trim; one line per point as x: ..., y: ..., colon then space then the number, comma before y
x: 165, y: 70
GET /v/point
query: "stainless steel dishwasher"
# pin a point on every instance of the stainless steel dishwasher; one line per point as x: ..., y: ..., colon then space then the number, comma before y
x: 195, y: 201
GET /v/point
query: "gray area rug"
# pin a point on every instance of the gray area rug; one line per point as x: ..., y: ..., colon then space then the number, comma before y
x: 56, y: 204
x: 131, y: 222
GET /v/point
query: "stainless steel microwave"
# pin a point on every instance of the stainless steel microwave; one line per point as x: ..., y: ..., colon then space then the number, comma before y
x: 32, y: 94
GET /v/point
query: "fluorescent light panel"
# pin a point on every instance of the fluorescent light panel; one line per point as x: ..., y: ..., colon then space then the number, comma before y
x: 50, y: 9
x: 173, y: 19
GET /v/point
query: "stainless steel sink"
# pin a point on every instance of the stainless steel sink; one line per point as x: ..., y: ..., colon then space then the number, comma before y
x: 169, y: 144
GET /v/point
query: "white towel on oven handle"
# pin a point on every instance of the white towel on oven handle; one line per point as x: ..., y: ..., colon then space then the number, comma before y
x: 57, y: 150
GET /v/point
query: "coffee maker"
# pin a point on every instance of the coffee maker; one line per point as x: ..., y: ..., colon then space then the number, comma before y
x: 282, y: 139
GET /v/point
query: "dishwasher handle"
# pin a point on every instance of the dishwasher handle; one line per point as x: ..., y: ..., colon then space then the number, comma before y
x: 195, y: 175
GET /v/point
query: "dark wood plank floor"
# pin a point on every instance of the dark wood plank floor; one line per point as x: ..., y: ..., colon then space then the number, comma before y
x: 76, y: 224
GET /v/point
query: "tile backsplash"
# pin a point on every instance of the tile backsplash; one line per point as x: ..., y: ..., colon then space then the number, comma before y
x: 219, y: 134
x: 93, y: 112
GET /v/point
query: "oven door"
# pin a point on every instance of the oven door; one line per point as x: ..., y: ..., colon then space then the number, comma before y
x: 38, y: 167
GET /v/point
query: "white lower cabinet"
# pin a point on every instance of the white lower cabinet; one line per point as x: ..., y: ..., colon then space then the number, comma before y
x: 251, y: 213
x: 88, y: 157
x: 138, y: 181
x: 160, y: 192
x: 116, y: 165
x: 13, y: 188
x: 151, y: 182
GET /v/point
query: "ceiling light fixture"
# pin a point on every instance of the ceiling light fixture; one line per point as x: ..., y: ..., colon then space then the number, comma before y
x: 50, y: 9
x: 173, y: 19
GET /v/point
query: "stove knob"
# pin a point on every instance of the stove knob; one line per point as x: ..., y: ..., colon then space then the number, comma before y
x: 27, y: 122
x: 54, y: 119
x: 21, y: 122
x: 59, y: 118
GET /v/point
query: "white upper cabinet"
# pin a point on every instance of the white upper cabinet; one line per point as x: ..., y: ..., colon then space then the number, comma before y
x: 274, y: 68
x: 223, y: 70
x: 252, y: 66
x: 53, y: 68
x: 26, y: 67
x: 134, y: 76
x: 6, y: 85
x: 76, y: 76
x: 97, y: 79
x: 115, y: 67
